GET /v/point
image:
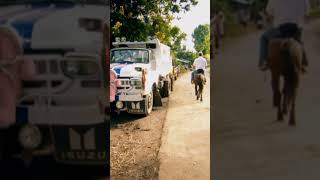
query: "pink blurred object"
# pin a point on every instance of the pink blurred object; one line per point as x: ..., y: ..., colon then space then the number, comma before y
x: 13, y: 69
x: 114, y: 83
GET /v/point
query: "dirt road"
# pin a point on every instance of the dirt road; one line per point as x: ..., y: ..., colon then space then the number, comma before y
x: 248, y: 143
x: 185, y: 147
x: 135, y: 143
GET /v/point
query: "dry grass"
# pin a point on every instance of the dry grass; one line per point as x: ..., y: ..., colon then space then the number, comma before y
x: 132, y: 157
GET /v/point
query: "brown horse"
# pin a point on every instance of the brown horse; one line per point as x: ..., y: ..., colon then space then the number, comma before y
x: 285, y: 60
x: 199, y: 80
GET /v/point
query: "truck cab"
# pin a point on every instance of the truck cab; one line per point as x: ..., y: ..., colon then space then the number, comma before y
x: 144, y: 70
x: 61, y: 112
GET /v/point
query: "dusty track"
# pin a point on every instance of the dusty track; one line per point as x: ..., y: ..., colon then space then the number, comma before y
x: 247, y: 142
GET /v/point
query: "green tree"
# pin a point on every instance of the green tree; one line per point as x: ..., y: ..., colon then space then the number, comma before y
x: 201, y: 38
x: 177, y: 36
x: 186, y: 55
x: 225, y: 6
x: 138, y: 19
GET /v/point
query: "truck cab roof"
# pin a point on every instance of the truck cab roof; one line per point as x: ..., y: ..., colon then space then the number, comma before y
x: 151, y: 44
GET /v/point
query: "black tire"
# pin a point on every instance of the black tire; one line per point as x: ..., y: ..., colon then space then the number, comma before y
x: 149, y: 104
x: 161, y: 92
x: 166, y: 88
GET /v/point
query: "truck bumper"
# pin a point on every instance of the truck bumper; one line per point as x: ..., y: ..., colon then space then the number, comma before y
x: 133, y: 104
x: 64, y: 144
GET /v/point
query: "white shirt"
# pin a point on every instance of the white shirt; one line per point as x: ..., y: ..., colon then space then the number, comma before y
x: 288, y: 11
x: 200, y: 63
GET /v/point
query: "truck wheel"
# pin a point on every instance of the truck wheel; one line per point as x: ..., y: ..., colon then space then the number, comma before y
x: 172, y: 83
x: 149, y: 104
x: 157, y: 101
x: 166, y: 88
x: 161, y: 91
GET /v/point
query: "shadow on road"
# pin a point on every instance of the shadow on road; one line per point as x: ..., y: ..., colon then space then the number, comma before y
x: 123, y: 118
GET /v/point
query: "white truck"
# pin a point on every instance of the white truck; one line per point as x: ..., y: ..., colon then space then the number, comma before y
x: 144, y: 70
x: 62, y: 110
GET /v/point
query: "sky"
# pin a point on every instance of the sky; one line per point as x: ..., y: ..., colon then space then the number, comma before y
x: 199, y: 14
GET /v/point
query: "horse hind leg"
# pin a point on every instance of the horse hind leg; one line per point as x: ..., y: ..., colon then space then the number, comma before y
x: 285, y: 101
x: 195, y: 90
x: 198, y: 95
x: 277, y: 96
x: 280, y: 112
x: 275, y: 83
x: 292, y: 119
x: 201, y: 91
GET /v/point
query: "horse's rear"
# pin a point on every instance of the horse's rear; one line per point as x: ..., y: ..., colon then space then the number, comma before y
x: 199, y: 83
x: 285, y: 60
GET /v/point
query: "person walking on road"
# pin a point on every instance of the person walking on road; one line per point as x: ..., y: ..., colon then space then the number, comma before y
x: 199, y: 65
x: 218, y: 29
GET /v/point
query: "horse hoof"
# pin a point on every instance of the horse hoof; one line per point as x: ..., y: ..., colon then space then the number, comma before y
x: 280, y: 119
x: 292, y: 123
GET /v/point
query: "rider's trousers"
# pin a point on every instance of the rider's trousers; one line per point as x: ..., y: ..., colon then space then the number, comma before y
x: 264, y: 41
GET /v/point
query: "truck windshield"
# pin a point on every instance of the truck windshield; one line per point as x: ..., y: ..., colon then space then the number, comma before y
x: 130, y: 56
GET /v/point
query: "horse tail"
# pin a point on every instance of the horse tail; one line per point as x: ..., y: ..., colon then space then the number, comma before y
x: 200, y: 82
x: 292, y: 57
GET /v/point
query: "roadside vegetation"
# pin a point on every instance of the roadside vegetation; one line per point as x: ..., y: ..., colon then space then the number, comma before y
x: 138, y: 20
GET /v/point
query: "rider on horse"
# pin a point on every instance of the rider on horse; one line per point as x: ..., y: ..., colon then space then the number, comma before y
x: 199, y: 64
x: 288, y: 18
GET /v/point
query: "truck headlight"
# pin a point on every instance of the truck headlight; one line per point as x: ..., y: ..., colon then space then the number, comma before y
x: 30, y: 136
x: 136, y: 82
x: 119, y: 104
